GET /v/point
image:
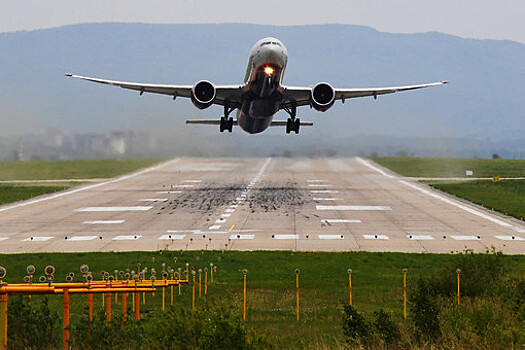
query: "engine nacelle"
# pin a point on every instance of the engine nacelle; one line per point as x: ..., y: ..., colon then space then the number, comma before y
x: 203, y: 94
x: 322, y: 97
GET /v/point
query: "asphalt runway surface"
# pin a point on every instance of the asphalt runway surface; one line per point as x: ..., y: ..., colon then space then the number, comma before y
x: 256, y: 204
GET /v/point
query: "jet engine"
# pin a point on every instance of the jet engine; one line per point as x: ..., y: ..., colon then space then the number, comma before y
x: 322, y: 97
x: 203, y: 94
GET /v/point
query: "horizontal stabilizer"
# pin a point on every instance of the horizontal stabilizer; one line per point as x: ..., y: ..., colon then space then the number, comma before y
x: 218, y: 122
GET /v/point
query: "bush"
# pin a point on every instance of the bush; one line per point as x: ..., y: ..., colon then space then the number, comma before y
x: 386, y: 328
x: 425, y: 311
x: 355, y: 329
x: 32, y: 326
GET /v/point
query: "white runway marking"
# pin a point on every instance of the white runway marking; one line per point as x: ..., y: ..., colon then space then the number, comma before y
x: 285, y: 236
x: 168, y: 192
x: 37, y: 239
x: 331, y: 237
x: 242, y: 236
x: 340, y: 221
x: 214, y: 227
x: 352, y: 207
x: 103, y: 222
x: 220, y: 221
x: 420, y: 237
x: 446, y: 200
x: 328, y: 199
x: 319, y: 185
x: 510, y: 238
x: 316, y: 180
x: 324, y: 191
x: 193, y: 181
x: 225, y: 215
x: 465, y: 238
x: 97, y: 209
x: 383, y: 237
x: 182, y: 186
x: 126, y: 237
x: 82, y: 238
x: 229, y: 211
x: 3, y: 238
x: 163, y: 237
x: 76, y: 190
x: 153, y: 200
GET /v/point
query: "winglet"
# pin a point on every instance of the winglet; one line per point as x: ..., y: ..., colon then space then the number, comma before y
x: 68, y: 75
x: 444, y: 82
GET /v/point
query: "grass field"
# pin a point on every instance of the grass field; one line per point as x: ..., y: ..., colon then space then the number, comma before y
x: 507, y: 196
x: 16, y: 192
x: 376, y: 282
x: 453, y: 167
x: 70, y: 169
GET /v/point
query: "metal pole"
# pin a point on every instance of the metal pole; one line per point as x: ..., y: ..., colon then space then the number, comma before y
x: 200, y: 278
x: 133, y: 301
x: 163, y: 298
x: 3, y: 320
x: 405, y: 294
x: 297, y: 287
x: 66, y: 317
x: 108, y: 309
x: 137, y: 306
x: 206, y: 282
x: 458, y: 271
x: 90, y: 306
x: 124, y: 309
x: 350, y: 285
x: 193, y: 295
x: 244, y: 301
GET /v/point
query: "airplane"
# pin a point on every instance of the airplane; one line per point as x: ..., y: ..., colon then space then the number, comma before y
x: 262, y: 93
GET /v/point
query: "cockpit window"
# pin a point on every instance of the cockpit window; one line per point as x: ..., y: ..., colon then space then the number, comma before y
x: 270, y: 42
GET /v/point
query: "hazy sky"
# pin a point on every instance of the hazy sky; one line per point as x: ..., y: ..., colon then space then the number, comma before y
x: 484, y: 19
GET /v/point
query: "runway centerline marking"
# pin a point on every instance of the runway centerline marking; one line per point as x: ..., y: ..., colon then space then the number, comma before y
x: 37, y: 239
x: 89, y: 187
x: 82, y: 238
x: 445, y: 200
x: 352, y: 207
x: 285, y: 236
x: 340, y: 221
x: 102, y: 209
x: 126, y: 237
x: 103, y: 222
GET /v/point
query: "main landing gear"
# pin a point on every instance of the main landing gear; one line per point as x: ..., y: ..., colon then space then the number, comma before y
x: 226, y: 122
x: 292, y: 123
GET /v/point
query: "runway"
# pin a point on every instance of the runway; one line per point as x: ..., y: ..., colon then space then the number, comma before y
x: 256, y: 204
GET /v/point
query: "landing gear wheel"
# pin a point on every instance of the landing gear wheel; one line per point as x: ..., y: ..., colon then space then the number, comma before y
x: 229, y: 124
x: 293, y: 125
x: 296, y: 125
x: 289, y: 126
x: 222, y: 126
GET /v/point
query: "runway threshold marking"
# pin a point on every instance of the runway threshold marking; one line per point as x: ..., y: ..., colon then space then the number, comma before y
x: 37, y: 239
x: 285, y: 236
x: 445, y: 200
x: 352, y: 207
x: 76, y: 190
x: 103, y: 222
x: 82, y: 238
x: 340, y: 221
x: 510, y: 238
x: 101, y: 209
x: 382, y: 237
x: 164, y: 237
x: 331, y: 236
x: 126, y: 237
x: 420, y: 237
x: 214, y: 227
x: 232, y: 237
x: 465, y: 238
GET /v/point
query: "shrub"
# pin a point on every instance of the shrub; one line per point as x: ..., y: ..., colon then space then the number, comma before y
x: 425, y: 311
x: 355, y: 329
x: 386, y: 328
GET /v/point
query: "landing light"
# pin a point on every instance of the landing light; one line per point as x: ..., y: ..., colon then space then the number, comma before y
x: 268, y: 70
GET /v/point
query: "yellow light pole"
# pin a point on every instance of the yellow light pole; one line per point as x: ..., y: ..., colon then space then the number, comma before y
x: 405, y: 293
x: 193, y: 292
x: 205, y: 281
x: 116, y: 279
x: 211, y: 273
x: 350, y: 285
x: 297, y: 271
x: 458, y: 272
x: 244, y: 272
x: 3, y: 320
x: 171, y: 271
x: 200, y: 279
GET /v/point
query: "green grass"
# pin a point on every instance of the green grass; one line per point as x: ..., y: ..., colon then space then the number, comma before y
x: 70, y: 169
x: 376, y: 281
x: 506, y: 196
x: 16, y: 192
x: 453, y: 167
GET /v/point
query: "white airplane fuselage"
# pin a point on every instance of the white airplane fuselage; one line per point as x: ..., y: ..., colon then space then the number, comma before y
x: 262, y: 93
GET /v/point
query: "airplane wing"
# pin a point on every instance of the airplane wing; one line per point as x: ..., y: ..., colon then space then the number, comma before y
x: 224, y: 93
x: 218, y: 122
x: 300, y: 96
